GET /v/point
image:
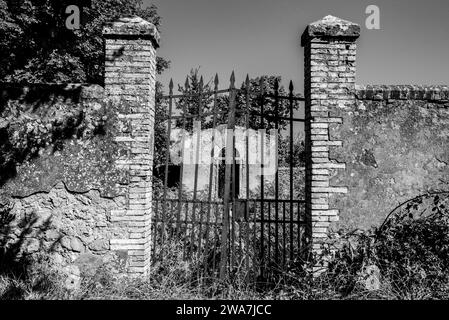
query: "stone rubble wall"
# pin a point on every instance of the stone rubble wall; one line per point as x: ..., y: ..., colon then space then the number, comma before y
x: 60, y: 203
x: 67, y: 225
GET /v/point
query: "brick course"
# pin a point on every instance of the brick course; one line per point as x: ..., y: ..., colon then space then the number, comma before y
x: 130, y: 79
x: 329, y: 53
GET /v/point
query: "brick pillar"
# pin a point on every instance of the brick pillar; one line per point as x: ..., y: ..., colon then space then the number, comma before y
x: 130, y: 79
x: 330, y: 59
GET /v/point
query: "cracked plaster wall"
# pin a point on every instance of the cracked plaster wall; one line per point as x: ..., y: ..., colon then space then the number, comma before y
x: 394, y: 149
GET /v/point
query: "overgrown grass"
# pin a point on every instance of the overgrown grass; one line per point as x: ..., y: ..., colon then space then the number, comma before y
x: 410, y: 252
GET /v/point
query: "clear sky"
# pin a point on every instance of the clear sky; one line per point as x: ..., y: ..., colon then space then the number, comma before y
x: 261, y: 37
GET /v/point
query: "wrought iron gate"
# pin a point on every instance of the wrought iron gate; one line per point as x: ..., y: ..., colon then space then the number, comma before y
x: 218, y: 201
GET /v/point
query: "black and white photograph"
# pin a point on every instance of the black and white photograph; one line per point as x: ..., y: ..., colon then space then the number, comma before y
x: 247, y: 152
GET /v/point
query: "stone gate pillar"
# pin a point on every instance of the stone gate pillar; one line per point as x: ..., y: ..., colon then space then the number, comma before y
x: 330, y: 68
x: 130, y: 79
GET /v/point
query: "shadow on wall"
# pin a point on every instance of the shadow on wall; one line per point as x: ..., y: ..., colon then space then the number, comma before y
x: 18, y: 240
x: 116, y: 54
x: 37, y: 117
x: 36, y: 95
x: 17, y: 99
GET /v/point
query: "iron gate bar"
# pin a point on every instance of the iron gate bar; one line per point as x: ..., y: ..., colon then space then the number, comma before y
x: 274, y: 200
x: 197, y: 156
x: 255, y: 235
x: 167, y: 154
x: 206, y: 114
x: 172, y: 209
x: 283, y: 235
x: 209, y: 196
x: 186, y: 227
x: 252, y: 199
x: 252, y: 112
x: 233, y: 178
x: 276, y: 126
x: 194, y: 95
x: 200, y: 233
x: 228, y: 173
x: 261, y: 84
x: 299, y: 233
x: 181, y: 170
x: 237, y: 111
x: 232, y: 107
x: 216, y: 238
x: 184, y: 120
x: 268, y: 117
x: 268, y: 95
x: 247, y: 164
x: 290, y: 89
x: 267, y: 221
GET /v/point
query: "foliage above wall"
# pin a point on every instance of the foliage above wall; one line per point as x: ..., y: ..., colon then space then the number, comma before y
x: 36, y: 46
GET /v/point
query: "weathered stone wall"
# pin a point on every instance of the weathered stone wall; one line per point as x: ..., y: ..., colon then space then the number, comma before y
x: 395, y: 148
x: 61, y: 198
x: 64, y: 224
